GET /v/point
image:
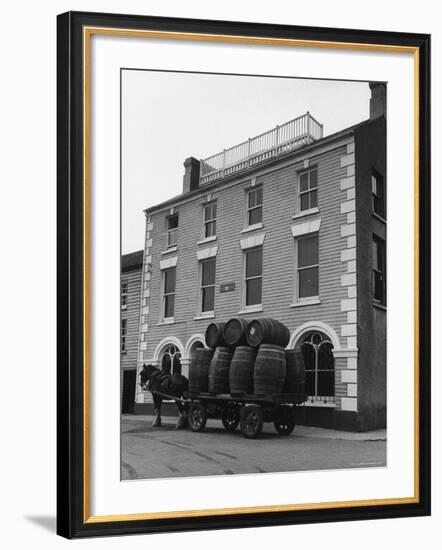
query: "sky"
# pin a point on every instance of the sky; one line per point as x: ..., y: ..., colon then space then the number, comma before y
x: 169, y: 116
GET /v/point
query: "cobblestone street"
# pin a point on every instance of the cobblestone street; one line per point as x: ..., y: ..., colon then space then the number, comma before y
x: 165, y: 452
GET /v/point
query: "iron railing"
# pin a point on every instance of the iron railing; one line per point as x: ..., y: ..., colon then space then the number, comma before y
x: 281, y: 139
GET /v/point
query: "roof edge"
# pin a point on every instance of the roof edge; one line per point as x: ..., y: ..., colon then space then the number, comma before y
x: 206, y: 188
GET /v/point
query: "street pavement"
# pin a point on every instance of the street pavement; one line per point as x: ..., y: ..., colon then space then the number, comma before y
x: 165, y: 452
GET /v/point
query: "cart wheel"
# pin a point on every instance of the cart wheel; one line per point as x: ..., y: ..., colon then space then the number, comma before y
x: 231, y: 417
x: 284, y: 420
x: 197, y: 416
x: 251, y: 421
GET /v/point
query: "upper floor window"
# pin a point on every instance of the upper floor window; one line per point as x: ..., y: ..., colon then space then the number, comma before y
x: 169, y: 283
x: 308, y: 189
x: 378, y: 193
x: 123, y: 335
x: 379, y: 275
x: 209, y: 222
x: 208, y: 268
x: 253, y: 276
x: 254, y: 206
x: 172, y: 230
x: 124, y: 288
x: 307, y: 284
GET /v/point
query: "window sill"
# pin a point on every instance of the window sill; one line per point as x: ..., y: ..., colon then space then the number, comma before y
x: 168, y: 321
x: 309, y: 302
x: 253, y: 227
x: 379, y: 217
x: 323, y: 404
x: 206, y: 315
x: 303, y: 213
x: 207, y: 240
x: 251, y: 309
x: 379, y: 306
x: 169, y: 250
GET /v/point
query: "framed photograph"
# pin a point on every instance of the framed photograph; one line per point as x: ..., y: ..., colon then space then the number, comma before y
x: 243, y: 274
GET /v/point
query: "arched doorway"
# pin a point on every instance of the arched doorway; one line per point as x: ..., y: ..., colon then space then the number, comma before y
x: 195, y: 345
x: 317, y: 351
x: 170, y: 359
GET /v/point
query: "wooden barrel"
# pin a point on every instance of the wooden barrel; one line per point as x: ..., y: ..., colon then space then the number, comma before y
x: 295, y: 372
x: 219, y: 370
x: 269, y: 371
x: 199, y: 370
x: 267, y: 331
x: 235, y: 332
x: 241, y: 370
x: 214, y: 335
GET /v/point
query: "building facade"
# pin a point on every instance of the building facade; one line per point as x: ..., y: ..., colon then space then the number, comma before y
x: 289, y: 225
x: 131, y: 270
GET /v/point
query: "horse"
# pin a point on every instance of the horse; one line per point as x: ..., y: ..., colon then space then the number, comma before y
x: 154, y: 379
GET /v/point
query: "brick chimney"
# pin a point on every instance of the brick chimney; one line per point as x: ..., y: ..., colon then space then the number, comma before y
x: 191, y: 178
x: 378, y: 100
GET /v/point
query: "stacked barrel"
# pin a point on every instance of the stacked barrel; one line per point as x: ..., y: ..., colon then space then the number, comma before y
x: 243, y: 360
x: 247, y: 358
x: 270, y: 337
x: 218, y: 373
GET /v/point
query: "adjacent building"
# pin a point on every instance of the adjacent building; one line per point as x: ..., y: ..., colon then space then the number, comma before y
x: 131, y: 270
x: 289, y: 225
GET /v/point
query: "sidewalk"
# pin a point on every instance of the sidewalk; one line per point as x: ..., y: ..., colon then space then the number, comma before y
x: 300, y: 431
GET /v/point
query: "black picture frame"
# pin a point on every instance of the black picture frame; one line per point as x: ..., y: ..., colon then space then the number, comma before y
x: 72, y: 516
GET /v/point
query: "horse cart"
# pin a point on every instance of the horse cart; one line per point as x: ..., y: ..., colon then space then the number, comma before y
x: 247, y: 411
x: 237, y: 376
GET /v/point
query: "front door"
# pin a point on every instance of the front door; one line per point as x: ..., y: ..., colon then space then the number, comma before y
x: 129, y: 382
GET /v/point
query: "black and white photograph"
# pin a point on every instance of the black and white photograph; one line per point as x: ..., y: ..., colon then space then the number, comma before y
x: 253, y: 274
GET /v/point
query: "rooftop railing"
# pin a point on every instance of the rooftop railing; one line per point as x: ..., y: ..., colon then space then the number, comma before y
x: 280, y: 140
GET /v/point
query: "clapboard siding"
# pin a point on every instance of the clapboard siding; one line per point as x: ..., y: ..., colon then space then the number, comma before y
x: 132, y: 316
x: 279, y: 200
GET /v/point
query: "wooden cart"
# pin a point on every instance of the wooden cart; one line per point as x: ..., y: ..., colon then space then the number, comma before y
x: 248, y: 411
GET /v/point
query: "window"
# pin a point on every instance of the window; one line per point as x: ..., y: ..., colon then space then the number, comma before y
x: 172, y: 230
x: 123, y: 335
x: 253, y: 276
x: 317, y: 351
x: 209, y: 222
x: 379, y: 279
x: 124, y: 287
x: 171, y: 360
x: 308, y: 190
x: 307, y: 266
x: 254, y: 206
x: 169, y: 276
x: 378, y: 195
x: 208, y: 268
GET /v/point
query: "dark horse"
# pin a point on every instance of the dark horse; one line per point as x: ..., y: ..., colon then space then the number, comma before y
x: 154, y: 379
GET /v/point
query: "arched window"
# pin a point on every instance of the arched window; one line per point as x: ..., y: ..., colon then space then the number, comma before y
x: 317, y: 350
x: 171, y: 359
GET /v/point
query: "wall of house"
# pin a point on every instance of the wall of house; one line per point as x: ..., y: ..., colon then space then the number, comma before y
x: 132, y: 315
x: 337, y: 279
x: 370, y: 152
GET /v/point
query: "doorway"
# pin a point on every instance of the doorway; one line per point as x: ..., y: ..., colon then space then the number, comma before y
x: 128, y: 398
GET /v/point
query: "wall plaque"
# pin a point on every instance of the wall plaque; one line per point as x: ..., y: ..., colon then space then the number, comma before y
x: 227, y: 287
